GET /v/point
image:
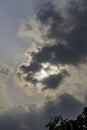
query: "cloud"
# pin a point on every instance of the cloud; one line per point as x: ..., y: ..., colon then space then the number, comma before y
x: 61, y: 4
x: 56, y: 64
x: 38, y: 118
x: 53, y: 81
x: 65, y: 105
x: 69, y: 30
x: 42, y: 23
x: 6, y: 72
x: 64, y: 44
x: 5, y: 103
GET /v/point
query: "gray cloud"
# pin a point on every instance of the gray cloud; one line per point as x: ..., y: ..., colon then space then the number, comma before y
x: 37, y: 119
x: 64, y: 38
x: 54, y: 80
x: 34, y: 67
x: 53, y: 65
x: 6, y: 70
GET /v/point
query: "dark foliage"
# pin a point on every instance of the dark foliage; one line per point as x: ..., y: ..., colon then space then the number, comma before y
x: 58, y: 123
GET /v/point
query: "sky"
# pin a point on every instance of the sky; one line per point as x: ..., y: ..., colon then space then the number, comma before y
x: 43, y: 61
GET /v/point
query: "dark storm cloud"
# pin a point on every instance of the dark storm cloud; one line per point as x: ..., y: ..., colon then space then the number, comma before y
x: 30, y: 78
x: 54, y: 80
x: 56, y: 54
x: 34, y: 67
x: 37, y: 119
x: 67, y: 106
x: 68, y: 34
x: 75, y: 49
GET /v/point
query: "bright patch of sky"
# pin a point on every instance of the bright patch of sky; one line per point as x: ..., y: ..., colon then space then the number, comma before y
x: 11, y: 13
x: 12, y: 47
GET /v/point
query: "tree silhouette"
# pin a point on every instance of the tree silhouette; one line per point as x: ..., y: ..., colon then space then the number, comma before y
x: 58, y: 123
